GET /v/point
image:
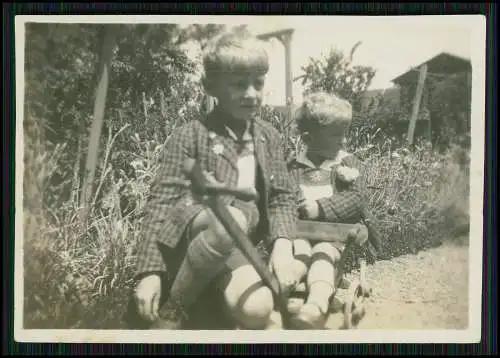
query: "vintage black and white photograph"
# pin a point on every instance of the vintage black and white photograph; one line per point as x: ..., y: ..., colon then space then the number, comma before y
x: 240, y: 179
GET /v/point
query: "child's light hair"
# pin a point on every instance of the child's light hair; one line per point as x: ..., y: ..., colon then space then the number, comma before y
x: 320, y: 109
x: 235, y: 52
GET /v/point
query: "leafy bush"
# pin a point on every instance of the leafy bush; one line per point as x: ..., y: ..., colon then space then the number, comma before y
x: 451, y: 111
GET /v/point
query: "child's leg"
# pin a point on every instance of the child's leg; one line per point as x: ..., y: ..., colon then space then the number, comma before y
x: 321, y: 287
x: 205, y: 258
x: 321, y: 276
x: 249, y: 301
x: 302, y: 254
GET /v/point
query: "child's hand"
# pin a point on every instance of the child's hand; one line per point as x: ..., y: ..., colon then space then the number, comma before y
x: 359, y: 234
x: 147, y: 296
x: 309, y: 210
x: 282, y: 264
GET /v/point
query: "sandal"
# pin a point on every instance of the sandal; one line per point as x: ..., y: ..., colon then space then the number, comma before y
x: 310, y: 316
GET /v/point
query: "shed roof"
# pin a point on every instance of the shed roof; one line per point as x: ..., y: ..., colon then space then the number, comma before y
x: 443, y: 63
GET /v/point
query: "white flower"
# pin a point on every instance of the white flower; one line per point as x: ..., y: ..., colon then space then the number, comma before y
x: 347, y: 175
x: 436, y: 165
x: 137, y: 164
x: 218, y: 148
x: 211, y: 135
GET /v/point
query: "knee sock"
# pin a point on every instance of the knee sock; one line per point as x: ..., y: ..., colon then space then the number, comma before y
x: 204, y: 260
x: 321, y: 284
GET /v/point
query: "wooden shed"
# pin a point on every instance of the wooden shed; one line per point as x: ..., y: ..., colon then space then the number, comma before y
x: 439, y: 69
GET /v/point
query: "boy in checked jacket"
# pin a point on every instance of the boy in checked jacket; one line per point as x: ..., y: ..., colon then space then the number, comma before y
x: 330, y: 188
x: 235, y: 147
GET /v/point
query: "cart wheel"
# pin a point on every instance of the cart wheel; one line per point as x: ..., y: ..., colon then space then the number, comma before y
x: 354, y: 305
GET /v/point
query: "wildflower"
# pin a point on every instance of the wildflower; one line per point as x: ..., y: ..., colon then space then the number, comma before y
x: 395, y: 155
x: 346, y: 174
x: 137, y: 164
x: 218, y: 148
x: 405, y: 151
x: 191, y: 103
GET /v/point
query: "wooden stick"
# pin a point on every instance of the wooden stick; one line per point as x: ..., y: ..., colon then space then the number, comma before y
x: 109, y: 33
x: 416, y: 103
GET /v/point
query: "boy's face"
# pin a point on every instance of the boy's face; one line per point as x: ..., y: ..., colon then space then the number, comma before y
x: 324, y: 141
x: 239, y: 95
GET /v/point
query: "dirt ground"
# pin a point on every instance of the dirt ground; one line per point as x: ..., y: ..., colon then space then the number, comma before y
x: 428, y: 290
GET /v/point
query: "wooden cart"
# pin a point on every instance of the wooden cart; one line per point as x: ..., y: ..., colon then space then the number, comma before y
x: 354, y: 304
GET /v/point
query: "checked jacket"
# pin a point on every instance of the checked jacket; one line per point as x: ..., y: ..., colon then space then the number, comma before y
x: 170, y: 208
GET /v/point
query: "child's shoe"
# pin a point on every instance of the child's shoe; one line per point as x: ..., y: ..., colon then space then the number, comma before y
x: 310, y: 316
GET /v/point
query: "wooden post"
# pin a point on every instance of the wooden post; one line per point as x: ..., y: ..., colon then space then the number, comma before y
x: 145, y: 105
x: 285, y: 37
x: 286, y: 40
x: 108, y: 44
x: 163, y: 106
x: 429, y: 129
x: 416, y: 103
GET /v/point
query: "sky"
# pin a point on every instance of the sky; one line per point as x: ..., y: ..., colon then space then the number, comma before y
x: 391, y: 45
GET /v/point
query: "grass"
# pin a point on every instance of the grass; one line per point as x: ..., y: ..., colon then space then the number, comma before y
x: 80, y: 277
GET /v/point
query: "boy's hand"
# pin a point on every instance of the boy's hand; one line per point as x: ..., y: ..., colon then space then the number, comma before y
x: 147, y: 295
x: 281, y: 264
x: 359, y: 233
x: 309, y: 210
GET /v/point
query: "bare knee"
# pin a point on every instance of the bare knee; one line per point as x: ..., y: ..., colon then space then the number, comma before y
x: 238, y: 216
x: 255, y: 310
x: 217, y: 237
x: 250, y: 302
x: 327, y: 251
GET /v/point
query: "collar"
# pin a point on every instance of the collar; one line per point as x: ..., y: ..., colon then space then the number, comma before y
x: 246, y: 135
x: 218, y: 120
x: 327, y: 164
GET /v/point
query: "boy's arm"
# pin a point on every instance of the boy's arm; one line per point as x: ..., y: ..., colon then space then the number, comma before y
x: 169, y: 208
x: 345, y: 205
x: 294, y: 172
x: 282, y: 197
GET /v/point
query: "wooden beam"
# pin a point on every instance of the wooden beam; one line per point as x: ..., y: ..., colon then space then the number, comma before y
x: 285, y: 37
x: 416, y: 103
x: 108, y: 33
x: 276, y: 34
x: 287, y: 42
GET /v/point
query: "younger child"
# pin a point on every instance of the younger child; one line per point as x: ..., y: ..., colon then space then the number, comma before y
x: 330, y: 189
x: 235, y: 147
